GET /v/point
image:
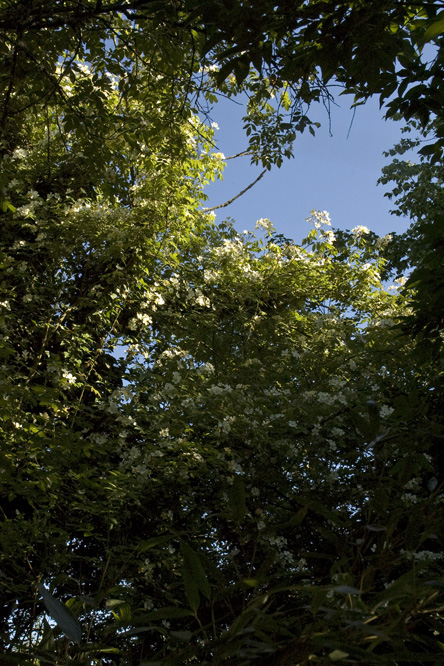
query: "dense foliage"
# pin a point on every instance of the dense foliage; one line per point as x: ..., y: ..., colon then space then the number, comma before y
x: 216, y: 447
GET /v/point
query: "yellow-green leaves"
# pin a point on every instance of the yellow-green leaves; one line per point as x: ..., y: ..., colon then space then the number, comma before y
x: 338, y: 655
x: 121, y: 611
x: 7, y: 206
x: 435, y: 29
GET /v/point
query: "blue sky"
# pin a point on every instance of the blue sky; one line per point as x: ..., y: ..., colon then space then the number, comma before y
x: 334, y: 173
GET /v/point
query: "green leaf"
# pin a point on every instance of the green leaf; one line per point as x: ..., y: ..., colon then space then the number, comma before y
x: 241, y: 70
x: 237, y: 500
x: 250, y: 582
x: 427, y: 150
x: 181, y: 635
x: 435, y: 29
x: 191, y: 589
x: 66, y: 622
x: 346, y: 589
x: 194, y: 571
x: 224, y: 72
x: 167, y: 613
x: 122, y: 614
x: 151, y: 543
x: 7, y: 205
x: 337, y: 655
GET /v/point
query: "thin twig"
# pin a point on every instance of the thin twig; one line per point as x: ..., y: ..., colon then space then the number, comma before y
x: 227, y: 203
x: 233, y: 157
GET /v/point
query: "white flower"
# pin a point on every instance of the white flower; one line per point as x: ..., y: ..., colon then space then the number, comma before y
x: 359, y: 230
x: 144, y: 318
x: 225, y: 426
x: 329, y: 236
x: 20, y: 153
x: 69, y: 377
x: 318, y: 218
x: 207, y: 369
x: 386, y: 411
x: 409, y: 498
x: 210, y: 276
x: 203, y: 301
x: 423, y: 555
x: 265, y: 223
x: 219, y: 389
x: 176, y: 377
x: 140, y: 318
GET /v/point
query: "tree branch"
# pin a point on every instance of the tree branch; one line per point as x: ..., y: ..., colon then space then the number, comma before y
x: 227, y: 203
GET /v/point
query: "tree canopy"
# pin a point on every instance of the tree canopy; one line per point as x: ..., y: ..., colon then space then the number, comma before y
x: 180, y: 52
x: 216, y: 447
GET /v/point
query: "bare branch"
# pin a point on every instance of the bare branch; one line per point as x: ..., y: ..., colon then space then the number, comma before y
x: 242, y: 154
x: 227, y: 203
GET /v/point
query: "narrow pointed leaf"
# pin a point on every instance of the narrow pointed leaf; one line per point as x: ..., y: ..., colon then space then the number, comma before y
x: 193, y: 567
x: 237, y: 500
x: 66, y: 622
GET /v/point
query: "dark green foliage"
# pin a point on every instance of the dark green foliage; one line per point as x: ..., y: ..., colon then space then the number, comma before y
x: 215, y: 449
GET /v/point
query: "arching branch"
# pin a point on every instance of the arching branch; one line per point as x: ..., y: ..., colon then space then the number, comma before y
x: 227, y: 203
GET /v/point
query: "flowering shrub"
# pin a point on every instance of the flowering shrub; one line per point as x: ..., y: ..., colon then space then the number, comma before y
x: 216, y: 448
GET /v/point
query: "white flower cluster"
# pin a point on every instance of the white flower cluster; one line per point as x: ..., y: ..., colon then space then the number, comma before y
x: 69, y: 377
x: 141, y: 319
x: 230, y: 248
x: 385, y: 411
x: 220, y: 389
x: 225, y: 424
x: 152, y: 299
x: 266, y: 224
x: 319, y: 218
x: 423, y: 555
x: 20, y: 154
x: 360, y: 230
x: 207, y: 369
x: 328, y: 235
x: 187, y: 292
